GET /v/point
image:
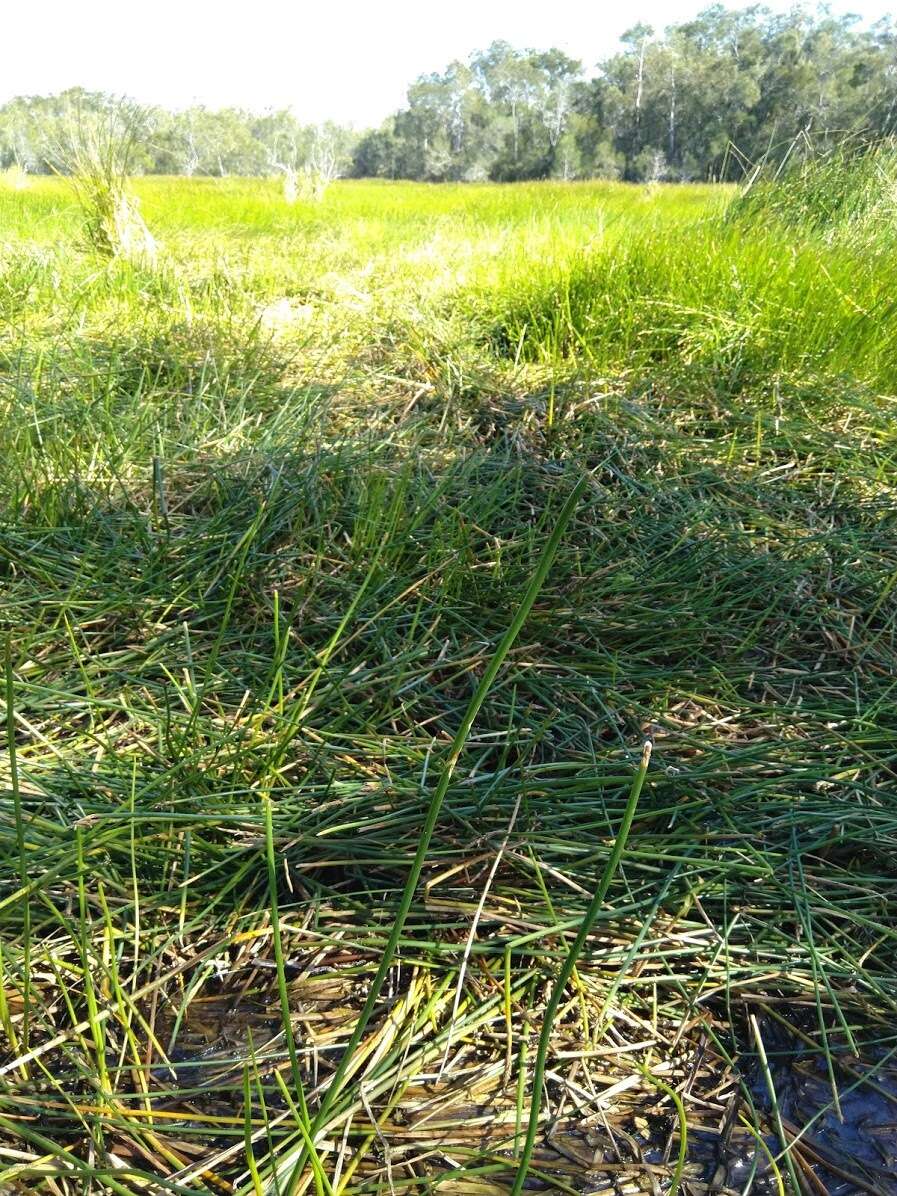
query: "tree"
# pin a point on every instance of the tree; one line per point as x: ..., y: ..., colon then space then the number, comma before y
x: 376, y: 153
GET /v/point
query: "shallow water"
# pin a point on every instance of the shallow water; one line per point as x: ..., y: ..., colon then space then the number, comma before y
x: 856, y: 1152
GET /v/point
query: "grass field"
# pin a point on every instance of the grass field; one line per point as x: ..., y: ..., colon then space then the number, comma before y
x: 267, y: 510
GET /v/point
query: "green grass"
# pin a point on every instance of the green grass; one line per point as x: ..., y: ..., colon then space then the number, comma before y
x: 847, y: 193
x: 267, y: 512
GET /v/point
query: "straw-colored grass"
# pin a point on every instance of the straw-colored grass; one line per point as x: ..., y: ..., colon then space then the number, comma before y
x: 94, y: 152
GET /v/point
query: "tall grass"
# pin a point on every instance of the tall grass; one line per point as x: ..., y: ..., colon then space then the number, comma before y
x: 848, y: 192
x: 739, y: 301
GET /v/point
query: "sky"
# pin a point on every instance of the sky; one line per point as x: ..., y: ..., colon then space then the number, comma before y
x: 344, y: 60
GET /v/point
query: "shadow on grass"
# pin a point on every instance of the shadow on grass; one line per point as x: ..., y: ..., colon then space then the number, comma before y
x: 307, y: 625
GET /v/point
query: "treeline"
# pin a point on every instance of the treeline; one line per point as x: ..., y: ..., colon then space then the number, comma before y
x: 34, y: 131
x: 696, y: 102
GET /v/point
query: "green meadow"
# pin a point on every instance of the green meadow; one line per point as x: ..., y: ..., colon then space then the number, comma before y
x: 297, y: 841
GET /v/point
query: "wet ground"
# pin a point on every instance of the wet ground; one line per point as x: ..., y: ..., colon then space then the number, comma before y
x: 838, y: 1148
x: 849, y: 1144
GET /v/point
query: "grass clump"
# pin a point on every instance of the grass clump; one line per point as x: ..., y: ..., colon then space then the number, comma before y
x: 257, y: 579
x: 846, y: 192
x: 95, y: 151
x: 734, y: 304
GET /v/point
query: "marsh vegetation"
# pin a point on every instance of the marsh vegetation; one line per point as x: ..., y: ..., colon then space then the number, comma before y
x: 269, y: 504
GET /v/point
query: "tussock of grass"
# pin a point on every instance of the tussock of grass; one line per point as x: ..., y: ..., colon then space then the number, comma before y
x: 848, y: 193
x: 734, y: 305
x: 252, y: 578
x: 95, y: 150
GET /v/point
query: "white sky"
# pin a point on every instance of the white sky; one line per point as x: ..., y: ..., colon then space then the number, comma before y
x: 348, y: 60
